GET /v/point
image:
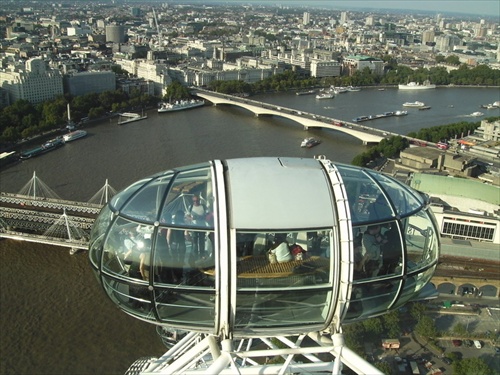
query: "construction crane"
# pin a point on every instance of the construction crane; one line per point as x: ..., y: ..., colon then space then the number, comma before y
x: 157, y: 29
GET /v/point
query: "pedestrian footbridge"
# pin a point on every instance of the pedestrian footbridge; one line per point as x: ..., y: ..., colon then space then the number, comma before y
x: 307, y: 120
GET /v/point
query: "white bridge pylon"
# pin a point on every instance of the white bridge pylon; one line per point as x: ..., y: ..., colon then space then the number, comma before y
x: 36, y: 188
x: 66, y: 229
x: 103, y: 195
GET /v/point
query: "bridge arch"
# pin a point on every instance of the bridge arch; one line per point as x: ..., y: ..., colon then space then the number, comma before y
x: 306, y: 120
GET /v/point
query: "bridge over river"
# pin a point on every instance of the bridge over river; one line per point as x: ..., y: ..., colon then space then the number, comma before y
x: 308, y: 120
x: 35, y: 214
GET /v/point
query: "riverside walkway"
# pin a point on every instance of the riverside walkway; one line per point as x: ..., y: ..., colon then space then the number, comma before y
x: 308, y: 120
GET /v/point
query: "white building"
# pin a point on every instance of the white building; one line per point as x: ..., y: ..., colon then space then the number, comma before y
x: 321, y: 68
x: 34, y: 82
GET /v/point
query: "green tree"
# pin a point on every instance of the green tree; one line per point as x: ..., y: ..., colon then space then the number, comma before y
x: 373, y: 326
x: 391, y: 323
x: 385, y: 367
x: 417, y: 310
x: 426, y: 327
x: 452, y: 60
x: 476, y: 366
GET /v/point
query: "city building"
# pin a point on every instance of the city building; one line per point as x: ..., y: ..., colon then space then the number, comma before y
x: 460, y: 214
x: 352, y: 64
x: 320, y: 68
x: 34, y: 81
x: 115, y: 34
x: 81, y: 83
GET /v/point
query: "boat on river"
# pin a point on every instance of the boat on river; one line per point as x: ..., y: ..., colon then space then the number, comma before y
x: 325, y: 95
x: 417, y: 86
x: 74, y: 135
x: 416, y: 104
x: 127, y: 117
x: 308, y: 92
x: 180, y: 105
x: 42, y: 149
x: 477, y: 114
x: 400, y: 113
x: 310, y: 142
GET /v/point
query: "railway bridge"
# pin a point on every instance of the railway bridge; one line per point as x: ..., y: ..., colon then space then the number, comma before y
x: 35, y: 214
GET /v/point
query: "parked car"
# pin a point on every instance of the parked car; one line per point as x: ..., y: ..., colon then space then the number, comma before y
x: 468, y: 343
x: 457, y: 342
x: 447, y: 360
x: 478, y: 344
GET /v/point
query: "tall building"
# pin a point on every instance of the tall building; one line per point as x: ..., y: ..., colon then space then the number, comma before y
x: 307, y: 18
x: 343, y: 17
x: 35, y: 82
x: 428, y: 36
x: 115, y: 33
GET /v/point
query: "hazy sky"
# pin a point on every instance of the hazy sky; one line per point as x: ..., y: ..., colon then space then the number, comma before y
x: 486, y: 7
x: 489, y: 8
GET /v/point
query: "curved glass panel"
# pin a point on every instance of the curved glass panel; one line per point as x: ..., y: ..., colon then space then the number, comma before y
x: 413, y: 284
x: 185, y: 307
x: 146, y: 202
x: 283, y: 278
x: 189, y: 201
x: 400, y: 195
x: 371, y: 299
x: 127, y: 248
x: 362, y: 192
x: 131, y: 297
x: 119, y: 199
x: 378, y: 250
x: 99, y: 228
x: 422, y: 241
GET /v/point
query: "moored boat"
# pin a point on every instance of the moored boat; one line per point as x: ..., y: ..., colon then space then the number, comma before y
x: 308, y: 92
x: 180, y: 105
x: 130, y: 117
x: 74, y: 135
x: 400, y: 113
x: 417, y: 86
x: 416, y: 104
x: 42, y: 149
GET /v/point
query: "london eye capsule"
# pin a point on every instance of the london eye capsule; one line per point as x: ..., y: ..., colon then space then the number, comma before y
x: 261, y: 247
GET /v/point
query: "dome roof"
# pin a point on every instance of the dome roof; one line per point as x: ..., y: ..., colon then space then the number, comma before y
x: 260, y: 245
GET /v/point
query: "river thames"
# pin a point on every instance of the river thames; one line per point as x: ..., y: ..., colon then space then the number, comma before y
x: 55, y: 317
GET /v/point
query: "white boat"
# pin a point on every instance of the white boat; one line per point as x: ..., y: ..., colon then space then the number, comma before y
x: 74, y: 135
x: 353, y: 88
x: 180, y: 105
x: 416, y: 104
x: 400, y: 113
x: 339, y: 90
x: 417, y: 86
x: 130, y: 117
x: 477, y: 114
x: 310, y: 142
x: 325, y: 95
